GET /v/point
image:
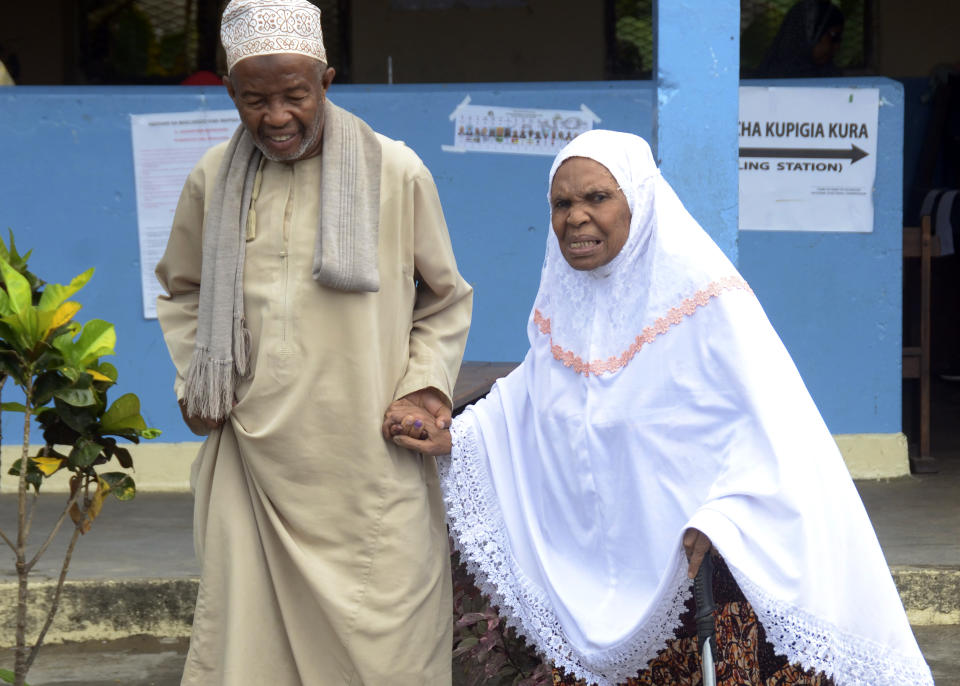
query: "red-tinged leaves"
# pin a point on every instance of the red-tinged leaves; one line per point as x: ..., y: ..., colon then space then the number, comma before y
x: 542, y: 676
x: 470, y: 619
x: 494, y: 664
x: 465, y: 645
x: 485, y: 651
x: 487, y: 643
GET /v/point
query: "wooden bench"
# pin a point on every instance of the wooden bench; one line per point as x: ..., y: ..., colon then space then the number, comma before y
x: 919, y: 242
x: 475, y: 381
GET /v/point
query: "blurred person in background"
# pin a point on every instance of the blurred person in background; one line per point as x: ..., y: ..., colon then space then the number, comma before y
x: 807, y: 42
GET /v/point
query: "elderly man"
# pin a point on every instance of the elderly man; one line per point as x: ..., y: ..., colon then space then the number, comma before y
x: 311, y: 282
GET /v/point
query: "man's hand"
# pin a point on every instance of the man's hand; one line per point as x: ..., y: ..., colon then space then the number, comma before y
x: 419, y: 421
x: 433, y: 402
x: 414, y: 429
x: 429, y: 399
x: 696, y: 545
x: 198, y: 425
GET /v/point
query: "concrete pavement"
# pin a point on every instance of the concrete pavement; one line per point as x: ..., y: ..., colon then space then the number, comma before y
x: 128, y: 604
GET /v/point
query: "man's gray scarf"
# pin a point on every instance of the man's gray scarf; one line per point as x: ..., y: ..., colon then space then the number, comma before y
x: 344, y: 258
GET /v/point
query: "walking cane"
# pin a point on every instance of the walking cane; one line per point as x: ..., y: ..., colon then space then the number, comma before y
x: 706, y: 634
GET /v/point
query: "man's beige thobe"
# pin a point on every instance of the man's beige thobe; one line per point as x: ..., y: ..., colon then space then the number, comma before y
x: 5, y: 78
x: 323, y: 547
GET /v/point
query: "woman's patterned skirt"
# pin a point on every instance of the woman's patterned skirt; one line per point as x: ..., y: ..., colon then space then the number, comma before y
x: 744, y: 658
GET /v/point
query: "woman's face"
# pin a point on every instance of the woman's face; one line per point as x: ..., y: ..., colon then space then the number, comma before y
x: 823, y: 52
x: 589, y: 213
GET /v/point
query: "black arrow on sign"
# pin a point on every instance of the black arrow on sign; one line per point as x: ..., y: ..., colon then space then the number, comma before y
x: 854, y: 154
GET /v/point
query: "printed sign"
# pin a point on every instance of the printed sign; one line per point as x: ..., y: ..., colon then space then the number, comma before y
x: 165, y: 148
x: 808, y: 158
x: 479, y: 128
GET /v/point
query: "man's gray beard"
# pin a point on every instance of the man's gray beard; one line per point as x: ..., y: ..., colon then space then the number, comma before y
x: 305, y: 145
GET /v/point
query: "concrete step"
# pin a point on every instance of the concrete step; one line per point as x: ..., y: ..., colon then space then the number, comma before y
x: 133, y: 661
x: 103, y: 609
x: 148, y: 661
x: 113, y: 609
x: 930, y: 595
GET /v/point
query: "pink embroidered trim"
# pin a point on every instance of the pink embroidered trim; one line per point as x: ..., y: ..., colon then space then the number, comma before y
x: 673, y: 317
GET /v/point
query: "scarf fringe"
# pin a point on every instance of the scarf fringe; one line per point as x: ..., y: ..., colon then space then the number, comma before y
x: 242, y: 344
x: 208, y: 392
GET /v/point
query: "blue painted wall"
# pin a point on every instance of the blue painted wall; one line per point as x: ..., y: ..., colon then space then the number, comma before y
x: 67, y: 190
x: 697, y: 67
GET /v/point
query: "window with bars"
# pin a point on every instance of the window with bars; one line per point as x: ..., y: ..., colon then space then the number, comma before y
x: 760, y: 21
x: 630, y: 53
x: 164, y: 41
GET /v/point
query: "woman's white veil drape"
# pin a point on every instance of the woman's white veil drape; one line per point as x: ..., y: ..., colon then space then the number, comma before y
x: 656, y: 396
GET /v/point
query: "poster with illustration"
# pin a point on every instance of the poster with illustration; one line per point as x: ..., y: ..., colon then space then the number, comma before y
x: 516, y: 130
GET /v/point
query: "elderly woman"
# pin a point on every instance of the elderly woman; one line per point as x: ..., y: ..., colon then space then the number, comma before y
x: 657, y: 412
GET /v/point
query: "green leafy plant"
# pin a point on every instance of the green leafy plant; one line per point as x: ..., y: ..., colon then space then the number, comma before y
x: 56, y: 363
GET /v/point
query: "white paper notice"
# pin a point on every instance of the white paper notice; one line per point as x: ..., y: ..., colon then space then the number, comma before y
x: 808, y: 158
x: 165, y: 148
x: 479, y: 128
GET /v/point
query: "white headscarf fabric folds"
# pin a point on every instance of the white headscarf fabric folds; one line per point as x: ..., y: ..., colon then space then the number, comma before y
x: 656, y: 396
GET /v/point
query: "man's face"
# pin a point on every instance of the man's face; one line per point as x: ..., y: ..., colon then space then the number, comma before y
x: 280, y: 100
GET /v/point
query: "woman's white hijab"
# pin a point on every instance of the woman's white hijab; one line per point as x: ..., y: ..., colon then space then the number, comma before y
x: 656, y: 396
x: 599, y: 313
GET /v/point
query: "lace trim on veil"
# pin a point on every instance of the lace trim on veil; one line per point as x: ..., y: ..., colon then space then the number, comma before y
x: 662, y: 325
x: 823, y: 647
x: 479, y: 534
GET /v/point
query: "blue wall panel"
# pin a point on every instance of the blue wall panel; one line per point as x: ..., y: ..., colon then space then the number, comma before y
x: 67, y: 190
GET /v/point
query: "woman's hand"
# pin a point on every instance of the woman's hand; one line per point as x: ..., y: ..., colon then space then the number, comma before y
x: 696, y: 545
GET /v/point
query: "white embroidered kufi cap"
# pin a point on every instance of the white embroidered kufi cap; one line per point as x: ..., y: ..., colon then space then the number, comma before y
x: 268, y: 27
